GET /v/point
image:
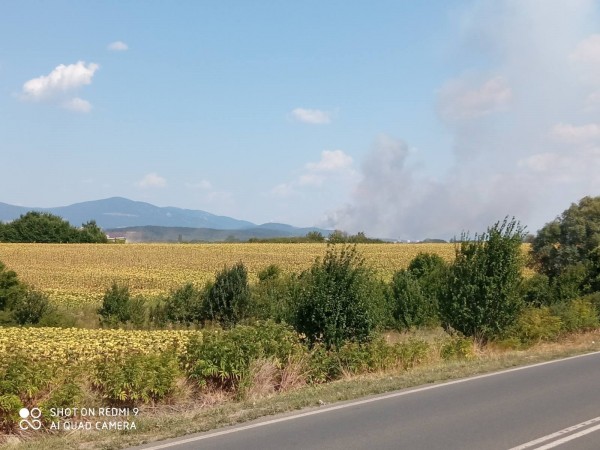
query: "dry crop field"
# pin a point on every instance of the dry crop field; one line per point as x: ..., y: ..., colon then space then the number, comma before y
x: 75, y: 274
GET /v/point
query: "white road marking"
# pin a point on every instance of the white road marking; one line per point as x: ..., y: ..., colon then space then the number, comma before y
x: 356, y: 403
x: 559, y: 434
x: 568, y: 438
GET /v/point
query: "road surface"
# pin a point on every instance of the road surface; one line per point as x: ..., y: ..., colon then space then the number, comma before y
x: 548, y: 405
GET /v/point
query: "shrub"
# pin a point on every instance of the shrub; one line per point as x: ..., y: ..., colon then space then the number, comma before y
x: 571, y: 282
x: 223, y: 358
x: 136, y: 378
x: 115, y: 307
x: 594, y: 299
x: 482, y: 297
x: 339, y: 300
x: 11, y: 289
x: 272, y: 297
x: 416, y: 291
x: 536, y: 291
x: 573, y: 238
x: 228, y: 297
x: 184, y: 305
x: 457, y: 347
x: 22, y: 383
x: 537, y: 324
x: 577, y: 315
x: 412, y: 307
x: 119, y: 308
x: 31, y: 308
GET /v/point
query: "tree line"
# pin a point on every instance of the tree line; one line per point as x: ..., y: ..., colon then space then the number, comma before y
x: 47, y: 228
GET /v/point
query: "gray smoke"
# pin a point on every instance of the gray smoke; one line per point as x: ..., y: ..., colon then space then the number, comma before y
x: 525, y: 131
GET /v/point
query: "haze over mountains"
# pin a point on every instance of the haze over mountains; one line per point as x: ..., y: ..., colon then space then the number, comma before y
x: 147, y: 222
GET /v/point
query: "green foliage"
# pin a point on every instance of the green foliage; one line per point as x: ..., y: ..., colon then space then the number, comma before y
x: 417, y: 289
x: 10, y: 405
x: 355, y: 358
x: 339, y: 300
x: 482, y: 297
x: 91, y: 233
x: 273, y: 296
x: 577, y: 315
x: 537, y: 324
x: 31, y: 308
x: 222, y: 358
x: 22, y: 383
x: 570, y: 283
x: 137, y: 378
x: 11, y: 289
x: 594, y: 299
x: 572, y: 239
x: 184, y: 305
x: 536, y: 291
x: 457, y: 348
x: 43, y: 227
x: 65, y: 395
x: 119, y: 308
x: 412, y: 307
x: 228, y: 298
x: 315, y: 236
x: 337, y: 237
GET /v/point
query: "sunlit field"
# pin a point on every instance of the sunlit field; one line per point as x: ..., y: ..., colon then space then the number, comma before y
x: 75, y: 274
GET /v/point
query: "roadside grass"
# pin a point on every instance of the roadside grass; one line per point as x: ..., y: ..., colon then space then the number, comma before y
x: 217, y: 409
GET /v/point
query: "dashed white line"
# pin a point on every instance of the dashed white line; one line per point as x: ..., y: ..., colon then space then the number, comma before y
x: 561, y: 433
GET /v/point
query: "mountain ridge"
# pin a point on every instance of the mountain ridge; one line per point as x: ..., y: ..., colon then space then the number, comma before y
x: 115, y: 213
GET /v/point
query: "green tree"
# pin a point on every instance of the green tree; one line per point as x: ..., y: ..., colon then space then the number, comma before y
x: 228, y: 298
x: 315, y: 236
x: 339, y: 300
x: 42, y: 227
x: 31, y: 307
x: 417, y: 289
x: 116, y: 305
x: 91, y: 233
x: 184, y: 305
x: 572, y: 238
x: 11, y: 289
x: 337, y: 237
x: 482, y: 296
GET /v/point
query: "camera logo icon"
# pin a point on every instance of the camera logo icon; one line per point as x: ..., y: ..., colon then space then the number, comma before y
x: 30, y: 419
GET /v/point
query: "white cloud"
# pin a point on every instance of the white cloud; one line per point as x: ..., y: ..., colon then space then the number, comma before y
x: 282, y: 190
x: 463, y: 99
x: 593, y: 101
x: 118, y: 46
x: 587, y: 51
x: 331, y: 161
x: 78, y: 105
x: 62, y: 79
x: 204, y: 185
x: 576, y: 134
x: 152, y: 180
x: 333, y: 165
x: 311, y: 116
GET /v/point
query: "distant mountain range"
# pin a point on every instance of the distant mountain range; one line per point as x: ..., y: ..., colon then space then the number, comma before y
x: 140, y: 221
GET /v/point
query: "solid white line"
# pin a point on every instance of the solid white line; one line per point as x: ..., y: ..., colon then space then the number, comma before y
x: 557, y: 434
x: 359, y: 402
x: 568, y: 438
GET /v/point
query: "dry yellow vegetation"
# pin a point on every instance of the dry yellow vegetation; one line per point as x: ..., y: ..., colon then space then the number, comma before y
x: 75, y: 274
x: 76, y: 345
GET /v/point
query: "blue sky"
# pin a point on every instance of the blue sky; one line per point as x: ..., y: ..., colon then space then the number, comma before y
x: 402, y: 119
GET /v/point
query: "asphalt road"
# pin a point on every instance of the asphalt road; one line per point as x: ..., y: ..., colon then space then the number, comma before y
x: 546, y: 405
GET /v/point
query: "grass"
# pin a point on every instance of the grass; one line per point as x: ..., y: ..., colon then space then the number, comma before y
x: 218, y: 410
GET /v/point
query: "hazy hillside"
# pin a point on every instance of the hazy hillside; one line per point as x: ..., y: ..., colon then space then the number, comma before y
x: 144, y: 222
